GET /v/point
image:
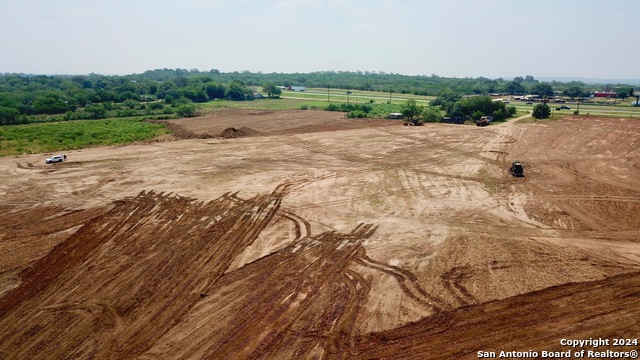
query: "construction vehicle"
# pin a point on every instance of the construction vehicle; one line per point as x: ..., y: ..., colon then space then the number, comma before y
x: 516, y: 169
x: 484, y: 121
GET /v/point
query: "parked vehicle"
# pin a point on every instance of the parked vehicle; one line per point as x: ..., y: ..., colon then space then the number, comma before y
x: 453, y: 120
x: 56, y: 159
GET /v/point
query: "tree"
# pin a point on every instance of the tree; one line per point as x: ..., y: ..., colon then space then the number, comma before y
x: 236, y: 90
x: 515, y: 88
x: 271, y: 89
x: 186, y: 110
x: 96, y: 111
x: 214, y: 90
x: 431, y: 114
x: 542, y: 89
x: 574, y: 91
x: 410, y: 109
x: 8, y: 116
x: 541, y: 111
x: 623, y: 92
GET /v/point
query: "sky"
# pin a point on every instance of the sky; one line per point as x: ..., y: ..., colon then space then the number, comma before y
x: 451, y: 38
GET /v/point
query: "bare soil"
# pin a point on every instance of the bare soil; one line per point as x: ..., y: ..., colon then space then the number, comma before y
x: 303, y: 234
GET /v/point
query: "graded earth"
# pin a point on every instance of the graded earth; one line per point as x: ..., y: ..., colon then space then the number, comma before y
x: 303, y: 234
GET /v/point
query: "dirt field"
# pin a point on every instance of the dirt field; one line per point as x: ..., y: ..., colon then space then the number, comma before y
x: 302, y: 234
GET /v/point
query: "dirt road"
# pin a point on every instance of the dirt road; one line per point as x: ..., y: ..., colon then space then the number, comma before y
x: 315, y: 236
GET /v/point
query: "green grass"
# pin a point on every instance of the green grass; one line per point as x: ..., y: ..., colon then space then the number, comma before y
x: 613, y: 111
x: 70, y: 135
x: 260, y: 104
x: 356, y: 96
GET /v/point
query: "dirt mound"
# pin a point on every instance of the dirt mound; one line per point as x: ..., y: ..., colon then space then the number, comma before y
x: 276, y: 122
x: 232, y: 133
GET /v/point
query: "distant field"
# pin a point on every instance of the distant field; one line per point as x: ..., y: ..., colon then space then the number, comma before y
x: 320, y: 98
x: 261, y: 104
x: 356, y: 96
x: 48, y: 137
x: 69, y: 135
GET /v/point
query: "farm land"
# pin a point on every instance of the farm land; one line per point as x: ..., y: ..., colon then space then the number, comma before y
x: 261, y: 233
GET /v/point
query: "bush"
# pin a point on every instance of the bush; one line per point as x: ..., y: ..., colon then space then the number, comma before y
x: 155, y: 106
x: 541, y: 111
x: 332, y: 107
x: 356, y: 114
x: 431, y: 114
x: 186, y: 110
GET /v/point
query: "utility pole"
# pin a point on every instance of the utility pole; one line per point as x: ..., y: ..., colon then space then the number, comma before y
x: 328, y: 88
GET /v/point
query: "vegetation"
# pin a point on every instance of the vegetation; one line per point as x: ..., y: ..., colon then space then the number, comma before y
x: 411, y: 109
x: 271, y: 89
x: 474, y: 107
x: 541, y: 111
x: 69, y: 135
x: 31, y: 95
x: 169, y: 93
x: 431, y: 114
x: 352, y: 110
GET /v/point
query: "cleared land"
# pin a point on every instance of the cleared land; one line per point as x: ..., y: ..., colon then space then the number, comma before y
x: 301, y: 234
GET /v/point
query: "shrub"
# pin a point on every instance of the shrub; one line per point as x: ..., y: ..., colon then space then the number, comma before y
x: 541, y: 111
x: 186, y: 110
x: 356, y: 114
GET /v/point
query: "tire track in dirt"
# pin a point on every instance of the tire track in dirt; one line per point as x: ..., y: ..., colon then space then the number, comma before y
x: 149, y: 258
x: 611, y: 306
x: 359, y: 162
x: 457, y: 150
x: 303, y: 297
x: 452, y: 281
x: 407, y: 281
x: 148, y: 277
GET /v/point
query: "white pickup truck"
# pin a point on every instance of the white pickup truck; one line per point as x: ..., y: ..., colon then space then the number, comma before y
x: 55, y: 159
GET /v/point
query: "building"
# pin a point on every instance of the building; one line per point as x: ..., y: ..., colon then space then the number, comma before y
x: 604, y: 94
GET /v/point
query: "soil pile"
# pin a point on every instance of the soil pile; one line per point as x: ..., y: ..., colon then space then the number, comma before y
x: 232, y: 133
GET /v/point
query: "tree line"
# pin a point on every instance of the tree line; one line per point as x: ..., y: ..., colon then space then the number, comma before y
x: 173, y: 91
